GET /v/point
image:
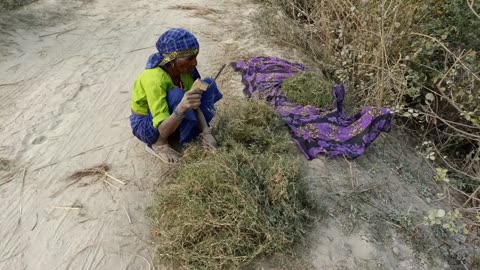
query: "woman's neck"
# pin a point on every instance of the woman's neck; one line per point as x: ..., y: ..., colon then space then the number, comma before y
x: 174, y: 74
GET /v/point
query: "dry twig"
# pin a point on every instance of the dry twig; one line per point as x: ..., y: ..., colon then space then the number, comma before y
x: 110, y: 184
x: 115, y: 179
x: 128, y: 215
x: 472, y: 196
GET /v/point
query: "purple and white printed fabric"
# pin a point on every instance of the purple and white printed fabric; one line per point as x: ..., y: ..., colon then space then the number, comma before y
x: 315, y: 130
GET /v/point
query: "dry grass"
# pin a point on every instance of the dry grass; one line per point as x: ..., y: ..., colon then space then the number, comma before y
x: 359, y: 42
x: 247, y: 200
x: 95, y: 170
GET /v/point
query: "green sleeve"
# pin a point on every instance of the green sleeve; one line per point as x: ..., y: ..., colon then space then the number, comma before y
x: 155, y: 88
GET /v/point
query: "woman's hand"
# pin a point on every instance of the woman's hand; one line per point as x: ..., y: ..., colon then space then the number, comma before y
x: 191, y: 100
x: 209, y: 142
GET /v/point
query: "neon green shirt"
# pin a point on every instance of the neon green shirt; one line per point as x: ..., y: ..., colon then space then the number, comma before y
x: 150, y: 93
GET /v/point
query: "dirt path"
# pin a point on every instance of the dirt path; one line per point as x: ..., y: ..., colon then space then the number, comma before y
x: 66, y: 71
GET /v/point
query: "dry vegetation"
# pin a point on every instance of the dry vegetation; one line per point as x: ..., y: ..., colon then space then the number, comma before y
x: 11, y: 4
x: 223, y: 210
x: 248, y: 200
x: 420, y: 58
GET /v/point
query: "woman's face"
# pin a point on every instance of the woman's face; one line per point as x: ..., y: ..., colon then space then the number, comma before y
x: 186, y: 64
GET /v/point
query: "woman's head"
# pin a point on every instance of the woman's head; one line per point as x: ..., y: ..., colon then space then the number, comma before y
x: 184, y: 64
x: 177, y: 47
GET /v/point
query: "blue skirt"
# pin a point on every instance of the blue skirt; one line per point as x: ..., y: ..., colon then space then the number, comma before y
x: 142, y: 125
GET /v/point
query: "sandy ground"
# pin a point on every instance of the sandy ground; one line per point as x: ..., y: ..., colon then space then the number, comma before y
x: 66, y: 73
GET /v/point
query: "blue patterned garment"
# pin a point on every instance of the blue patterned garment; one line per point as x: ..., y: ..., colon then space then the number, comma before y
x: 173, y: 43
x: 142, y: 128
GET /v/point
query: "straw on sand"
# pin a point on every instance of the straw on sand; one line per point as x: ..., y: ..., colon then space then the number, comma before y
x: 97, y: 170
x: 101, y: 169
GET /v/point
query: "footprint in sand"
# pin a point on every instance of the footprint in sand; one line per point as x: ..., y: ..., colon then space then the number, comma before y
x: 39, y: 140
x: 5, y: 164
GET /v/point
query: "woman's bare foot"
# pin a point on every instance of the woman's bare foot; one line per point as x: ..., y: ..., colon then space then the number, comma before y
x: 164, y: 152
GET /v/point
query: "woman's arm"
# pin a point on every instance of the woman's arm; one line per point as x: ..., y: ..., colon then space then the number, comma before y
x: 191, y: 100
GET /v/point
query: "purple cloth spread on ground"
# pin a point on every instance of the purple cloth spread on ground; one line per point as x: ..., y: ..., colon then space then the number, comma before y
x: 316, y: 131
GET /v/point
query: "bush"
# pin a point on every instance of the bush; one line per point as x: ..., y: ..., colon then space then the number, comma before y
x: 420, y: 57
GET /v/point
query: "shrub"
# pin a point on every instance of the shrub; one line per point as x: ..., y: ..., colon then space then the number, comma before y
x: 420, y: 57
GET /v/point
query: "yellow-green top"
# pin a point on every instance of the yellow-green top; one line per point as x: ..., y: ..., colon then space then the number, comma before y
x: 150, y: 93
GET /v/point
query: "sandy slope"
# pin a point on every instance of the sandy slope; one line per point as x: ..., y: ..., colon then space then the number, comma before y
x: 66, y: 71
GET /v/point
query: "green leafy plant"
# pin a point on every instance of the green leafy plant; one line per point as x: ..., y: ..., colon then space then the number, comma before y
x: 449, y: 221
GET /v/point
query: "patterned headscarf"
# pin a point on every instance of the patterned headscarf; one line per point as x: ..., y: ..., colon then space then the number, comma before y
x: 173, y: 44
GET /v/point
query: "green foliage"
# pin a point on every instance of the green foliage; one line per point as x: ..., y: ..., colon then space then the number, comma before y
x: 223, y: 210
x: 309, y: 89
x: 445, y: 65
x: 253, y: 125
x: 452, y: 60
x: 454, y: 22
x: 421, y: 57
x: 448, y: 221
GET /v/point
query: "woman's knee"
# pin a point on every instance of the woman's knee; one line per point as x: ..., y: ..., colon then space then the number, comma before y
x: 142, y: 128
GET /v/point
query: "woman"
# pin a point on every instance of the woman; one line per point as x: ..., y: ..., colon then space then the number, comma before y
x: 164, y: 107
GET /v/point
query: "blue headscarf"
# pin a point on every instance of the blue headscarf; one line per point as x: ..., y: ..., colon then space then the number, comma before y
x: 172, y: 44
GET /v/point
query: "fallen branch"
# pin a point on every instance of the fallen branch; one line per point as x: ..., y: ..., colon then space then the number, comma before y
x: 110, y: 184
x: 115, y: 179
